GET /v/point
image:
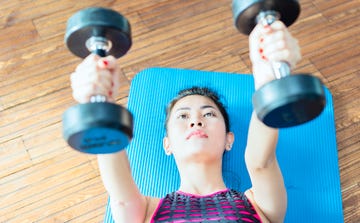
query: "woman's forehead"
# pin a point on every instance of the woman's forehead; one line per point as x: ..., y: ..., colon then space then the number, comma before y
x: 194, y: 101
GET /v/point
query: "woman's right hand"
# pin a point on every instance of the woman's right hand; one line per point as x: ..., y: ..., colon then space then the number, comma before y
x: 96, y: 76
x: 271, y: 43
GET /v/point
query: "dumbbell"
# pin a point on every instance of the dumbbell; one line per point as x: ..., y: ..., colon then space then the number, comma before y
x: 97, y: 127
x: 289, y: 100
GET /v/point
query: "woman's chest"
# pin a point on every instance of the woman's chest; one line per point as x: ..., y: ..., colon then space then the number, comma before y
x: 222, y: 207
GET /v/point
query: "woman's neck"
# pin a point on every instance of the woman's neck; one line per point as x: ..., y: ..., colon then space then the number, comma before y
x: 201, y: 178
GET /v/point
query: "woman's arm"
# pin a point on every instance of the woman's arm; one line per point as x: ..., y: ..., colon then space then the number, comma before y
x: 268, y: 190
x: 127, y: 203
x: 100, y: 76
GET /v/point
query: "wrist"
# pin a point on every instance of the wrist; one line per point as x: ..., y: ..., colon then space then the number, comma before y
x: 262, y: 73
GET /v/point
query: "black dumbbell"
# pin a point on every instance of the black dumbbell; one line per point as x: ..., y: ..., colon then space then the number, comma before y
x: 289, y: 100
x: 98, y: 127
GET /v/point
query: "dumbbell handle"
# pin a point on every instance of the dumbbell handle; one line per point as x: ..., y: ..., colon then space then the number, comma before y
x: 280, y: 68
x: 99, y: 46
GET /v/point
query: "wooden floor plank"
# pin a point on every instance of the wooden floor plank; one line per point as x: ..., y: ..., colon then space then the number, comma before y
x: 13, y: 157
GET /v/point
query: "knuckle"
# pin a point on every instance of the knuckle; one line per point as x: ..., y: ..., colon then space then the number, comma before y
x: 72, y: 77
x: 111, y: 58
x: 299, y: 57
x: 78, y: 67
x: 281, y: 34
x: 282, y: 44
x: 93, y: 87
x: 278, y: 25
x: 96, y: 77
x: 73, y: 86
x: 93, y: 57
x: 281, y: 25
x: 286, y: 53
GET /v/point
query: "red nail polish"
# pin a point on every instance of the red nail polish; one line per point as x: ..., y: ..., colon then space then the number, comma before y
x: 110, y: 93
x: 112, y: 84
x: 105, y: 62
x: 263, y: 57
x: 261, y: 50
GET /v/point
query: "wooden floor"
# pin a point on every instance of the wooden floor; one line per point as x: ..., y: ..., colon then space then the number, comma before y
x: 43, y: 180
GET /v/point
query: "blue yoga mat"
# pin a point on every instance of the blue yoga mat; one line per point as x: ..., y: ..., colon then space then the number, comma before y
x: 307, y: 153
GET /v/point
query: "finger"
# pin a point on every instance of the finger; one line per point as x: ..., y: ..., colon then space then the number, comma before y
x: 277, y: 31
x: 256, y: 43
x: 108, y: 62
x: 274, y: 44
x: 274, y: 36
x: 83, y: 70
x: 290, y: 53
x: 104, y: 79
x: 80, y: 78
x: 83, y: 77
x: 82, y: 94
x: 281, y: 55
x: 109, y: 65
x: 257, y: 32
x: 115, y: 82
x: 115, y: 76
x: 278, y: 26
x: 89, y: 61
x: 74, y: 79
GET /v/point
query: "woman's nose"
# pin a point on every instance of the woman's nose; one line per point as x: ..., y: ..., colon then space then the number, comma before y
x: 196, y: 123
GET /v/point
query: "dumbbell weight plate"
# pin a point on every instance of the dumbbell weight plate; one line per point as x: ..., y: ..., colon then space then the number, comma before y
x: 101, y: 22
x: 245, y: 12
x: 97, y: 128
x: 289, y: 101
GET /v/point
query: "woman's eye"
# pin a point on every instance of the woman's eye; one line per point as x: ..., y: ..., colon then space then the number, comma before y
x: 182, y: 116
x: 210, y: 114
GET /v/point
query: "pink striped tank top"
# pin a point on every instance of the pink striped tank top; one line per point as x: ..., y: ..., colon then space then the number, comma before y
x: 223, y: 206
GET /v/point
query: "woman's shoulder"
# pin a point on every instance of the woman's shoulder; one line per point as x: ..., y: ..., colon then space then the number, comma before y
x: 250, y: 196
x: 152, y: 204
x: 152, y: 200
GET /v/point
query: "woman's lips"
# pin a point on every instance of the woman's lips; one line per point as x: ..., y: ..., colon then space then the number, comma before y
x: 197, y: 133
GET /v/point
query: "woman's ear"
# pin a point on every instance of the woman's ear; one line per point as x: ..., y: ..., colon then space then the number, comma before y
x: 230, y: 138
x: 166, y: 145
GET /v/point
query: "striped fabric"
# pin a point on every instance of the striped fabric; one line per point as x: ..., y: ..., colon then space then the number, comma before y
x: 223, y: 206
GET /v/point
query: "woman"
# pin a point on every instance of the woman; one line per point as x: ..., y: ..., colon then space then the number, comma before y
x: 197, y: 136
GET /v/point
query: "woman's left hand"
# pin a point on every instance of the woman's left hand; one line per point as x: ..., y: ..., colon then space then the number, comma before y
x: 271, y: 43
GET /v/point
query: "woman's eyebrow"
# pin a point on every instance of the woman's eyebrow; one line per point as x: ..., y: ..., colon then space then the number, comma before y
x: 182, y: 108
x: 188, y: 108
x: 207, y: 106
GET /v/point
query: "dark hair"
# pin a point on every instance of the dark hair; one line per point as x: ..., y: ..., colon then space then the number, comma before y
x: 202, y: 91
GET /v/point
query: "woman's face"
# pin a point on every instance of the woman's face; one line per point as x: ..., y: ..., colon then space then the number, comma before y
x: 196, y: 130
